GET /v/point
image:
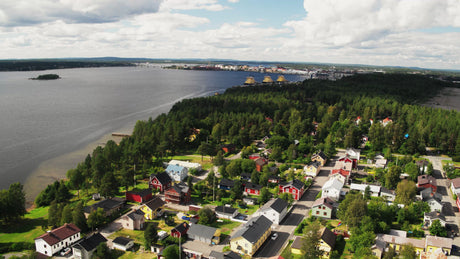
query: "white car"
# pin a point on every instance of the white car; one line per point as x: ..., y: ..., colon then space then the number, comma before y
x: 274, y: 236
x: 66, y: 251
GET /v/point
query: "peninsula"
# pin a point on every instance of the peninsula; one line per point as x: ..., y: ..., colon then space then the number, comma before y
x: 46, y: 77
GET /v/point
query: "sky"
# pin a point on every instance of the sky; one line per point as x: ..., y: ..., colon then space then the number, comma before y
x: 410, y: 33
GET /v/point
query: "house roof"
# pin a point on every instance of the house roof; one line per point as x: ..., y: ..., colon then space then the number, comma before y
x: 106, y: 205
x: 341, y: 172
x: 294, y: 183
x: 174, y: 168
x: 136, y: 215
x: 226, y: 182
x: 182, y: 227
x: 122, y: 241
x: 456, y: 182
x: 315, y: 164
x: 320, y: 154
x: 141, y: 193
x: 362, y: 187
x: 438, y: 242
x: 333, y: 183
x: 90, y: 243
x: 179, y: 188
x: 261, y: 161
x: 245, y: 176
x: 155, y: 203
x: 254, y: 229
x: 328, y: 237
x: 226, y: 255
x: 225, y: 210
x: 328, y: 202
x: 277, y: 205
x: 57, y: 235
x: 433, y: 215
x: 202, y: 231
x: 426, y: 179
x: 253, y: 186
x: 162, y: 177
x: 297, y: 244
x: 184, y: 163
x: 386, y: 191
x: 418, y: 243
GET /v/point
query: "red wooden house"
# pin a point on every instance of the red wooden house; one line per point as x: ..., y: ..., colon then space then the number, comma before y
x: 160, y: 181
x: 295, y: 187
x: 260, y: 162
x: 180, y: 230
x: 254, y: 156
x: 178, y: 194
x: 253, y: 189
x: 344, y: 173
x: 427, y: 181
x: 139, y: 196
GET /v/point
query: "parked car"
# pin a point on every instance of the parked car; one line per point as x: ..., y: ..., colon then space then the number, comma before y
x: 66, y: 251
x: 274, y: 236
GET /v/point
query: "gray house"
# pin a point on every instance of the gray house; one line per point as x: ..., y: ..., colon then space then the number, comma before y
x: 205, y: 234
x: 85, y: 248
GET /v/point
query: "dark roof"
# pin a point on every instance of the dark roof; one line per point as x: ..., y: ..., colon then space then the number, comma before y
x: 225, y: 210
x: 57, y: 235
x: 122, y: 241
x: 328, y: 202
x: 261, y: 161
x: 254, y: 229
x: 141, y: 193
x: 426, y: 179
x: 245, y: 176
x: 226, y: 182
x: 435, y: 215
x: 162, y: 177
x: 106, y: 205
x: 295, y: 183
x: 90, y: 243
x: 315, y: 164
x: 155, y: 203
x: 253, y: 186
x: 297, y: 244
x: 225, y: 255
x: 385, y: 190
x: 182, y: 227
x: 328, y: 237
x: 320, y: 154
x: 277, y: 204
x: 136, y: 215
x: 201, y: 231
x: 179, y: 188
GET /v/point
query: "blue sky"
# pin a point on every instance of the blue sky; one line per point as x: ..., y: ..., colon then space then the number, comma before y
x: 374, y: 32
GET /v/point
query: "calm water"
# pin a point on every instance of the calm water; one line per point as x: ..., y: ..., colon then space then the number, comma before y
x: 41, y: 120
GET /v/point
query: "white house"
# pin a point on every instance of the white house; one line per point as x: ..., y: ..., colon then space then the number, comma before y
x: 189, y: 165
x: 57, y: 239
x: 332, y: 189
x: 85, y: 248
x: 374, y: 189
x: 455, y: 186
x: 177, y: 172
x: 275, y: 210
x: 122, y: 243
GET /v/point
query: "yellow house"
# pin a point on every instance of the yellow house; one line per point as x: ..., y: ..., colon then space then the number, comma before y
x: 396, y: 239
x: 312, y: 169
x: 151, y: 208
x: 433, y: 243
x: 320, y: 157
x: 250, y: 237
x: 296, y: 247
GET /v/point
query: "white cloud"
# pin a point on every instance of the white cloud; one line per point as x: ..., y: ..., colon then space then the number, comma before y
x: 210, y: 5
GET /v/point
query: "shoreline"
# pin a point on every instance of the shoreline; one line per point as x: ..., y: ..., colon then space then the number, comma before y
x: 56, y: 168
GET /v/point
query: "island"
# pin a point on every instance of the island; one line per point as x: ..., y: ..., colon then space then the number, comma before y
x: 46, y: 77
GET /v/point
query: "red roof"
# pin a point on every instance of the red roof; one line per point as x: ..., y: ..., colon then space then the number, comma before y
x: 60, y: 233
x: 341, y: 171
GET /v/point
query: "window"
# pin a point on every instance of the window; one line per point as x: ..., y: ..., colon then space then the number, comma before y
x: 317, y: 212
x: 325, y: 213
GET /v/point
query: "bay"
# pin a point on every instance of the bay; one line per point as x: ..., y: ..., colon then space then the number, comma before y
x: 42, y: 121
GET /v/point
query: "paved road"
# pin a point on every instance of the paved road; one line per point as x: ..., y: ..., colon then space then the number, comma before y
x: 299, y: 211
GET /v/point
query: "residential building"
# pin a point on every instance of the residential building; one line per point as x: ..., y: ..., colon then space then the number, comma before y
x: 341, y: 175
x: 387, y: 194
x: 122, y: 243
x: 180, y: 230
x: 205, y: 234
x: 177, y: 172
x: 228, y: 148
x: 260, y: 163
x: 312, y: 169
x: 324, y: 208
x: 430, y: 217
x: 332, y: 189
x: 188, y: 165
x: 273, y: 179
x: 224, y: 255
x: 374, y: 189
x: 353, y: 154
x: 250, y: 200
x: 85, y: 248
x: 151, y: 208
x: 296, y: 246
x: 250, y: 236
x: 427, y: 181
x: 455, y: 186
x: 397, y: 241
x: 226, y: 184
x: 57, y: 239
x: 434, y: 203
x: 320, y: 157
x: 225, y: 212
x: 295, y: 187
x: 252, y: 189
x: 134, y: 220
x: 380, y: 161
x: 275, y: 210
x: 160, y: 181
x: 180, y: 193
x: 109, y: 206
x: 327, y: 241
x: 344, y: 163
x: 139, y: 196
x: 432, y: 243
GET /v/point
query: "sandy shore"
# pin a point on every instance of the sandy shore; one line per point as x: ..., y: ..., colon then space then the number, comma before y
x: 449, y: 99
x: 56, y: 168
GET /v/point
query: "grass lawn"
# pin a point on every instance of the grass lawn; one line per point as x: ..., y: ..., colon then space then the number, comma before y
x: 226, y: 226
x: 25, y: 230
x: 249, y: 210
x: 346, y: 251
x: 137, y: 235
x: 444, y: 162
x: 137, y: 255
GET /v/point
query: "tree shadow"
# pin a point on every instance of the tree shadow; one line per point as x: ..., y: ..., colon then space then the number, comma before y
x: 22, y: 225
